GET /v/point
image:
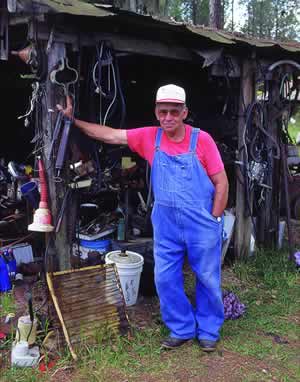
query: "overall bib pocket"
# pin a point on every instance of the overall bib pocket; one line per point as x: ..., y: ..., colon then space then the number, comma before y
x: 167, y: 178
x: 184, y: 173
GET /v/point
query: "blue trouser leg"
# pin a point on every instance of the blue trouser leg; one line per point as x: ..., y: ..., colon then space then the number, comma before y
x: 209, y: 305
x: 204, y: 255
x: 169, y: 252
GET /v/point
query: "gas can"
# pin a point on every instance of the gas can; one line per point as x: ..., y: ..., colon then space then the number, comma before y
x: 12, y: 264
x: 5, y: 283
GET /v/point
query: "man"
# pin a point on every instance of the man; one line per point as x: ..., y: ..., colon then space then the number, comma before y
x: 190, y: 194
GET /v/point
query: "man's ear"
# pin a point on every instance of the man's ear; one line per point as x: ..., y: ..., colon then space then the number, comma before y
x: 185, y: 113
x: 155, y: 112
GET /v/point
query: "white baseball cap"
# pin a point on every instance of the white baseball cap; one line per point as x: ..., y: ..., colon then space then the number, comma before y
x: 170, y: 93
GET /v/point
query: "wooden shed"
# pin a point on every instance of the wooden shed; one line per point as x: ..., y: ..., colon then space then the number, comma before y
x: 242, y: 91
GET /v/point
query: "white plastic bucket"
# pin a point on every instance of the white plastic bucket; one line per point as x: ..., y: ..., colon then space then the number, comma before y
x: 129, y: 269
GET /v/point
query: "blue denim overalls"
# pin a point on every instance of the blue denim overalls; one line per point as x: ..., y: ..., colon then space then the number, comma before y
x: 183, y: 225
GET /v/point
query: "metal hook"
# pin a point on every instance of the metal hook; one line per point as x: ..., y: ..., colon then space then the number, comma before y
x: 64, y: 66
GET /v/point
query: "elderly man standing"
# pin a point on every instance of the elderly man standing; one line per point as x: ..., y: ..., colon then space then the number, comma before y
x: 190, y: 190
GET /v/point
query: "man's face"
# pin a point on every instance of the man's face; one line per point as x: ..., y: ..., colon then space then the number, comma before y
x: 171, y: 115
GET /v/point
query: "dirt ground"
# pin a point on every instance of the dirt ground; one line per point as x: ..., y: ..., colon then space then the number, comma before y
x: 222, y: 366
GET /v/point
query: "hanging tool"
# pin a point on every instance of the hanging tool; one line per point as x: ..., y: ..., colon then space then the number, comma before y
x: 62, y: 210
x: 108, y: 86
x: 66, y: 77
x: 60, y: 160
x: 64, y: 124
x: 57, y: 129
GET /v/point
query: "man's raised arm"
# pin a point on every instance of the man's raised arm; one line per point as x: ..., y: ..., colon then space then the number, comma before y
x: 102, y: 133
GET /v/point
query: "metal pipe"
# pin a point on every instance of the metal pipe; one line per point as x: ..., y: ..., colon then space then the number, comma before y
x: 284, y: 62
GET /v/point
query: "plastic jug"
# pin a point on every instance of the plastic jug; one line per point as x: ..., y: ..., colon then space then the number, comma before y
x: 11, y: 263
x: 5, y: 284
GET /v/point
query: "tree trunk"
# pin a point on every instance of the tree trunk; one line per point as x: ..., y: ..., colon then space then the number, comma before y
x: 232, y: 15
x: 194, y: 12
x: 215, y: 14
x: 166, y: 8
x: 132, y: 6
x: 276, y: 22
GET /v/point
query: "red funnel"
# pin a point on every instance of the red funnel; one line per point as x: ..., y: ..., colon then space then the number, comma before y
x: 42, y: 216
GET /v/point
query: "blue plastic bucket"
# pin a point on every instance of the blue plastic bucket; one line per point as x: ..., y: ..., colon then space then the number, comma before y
x: 31, y: 193
x: 101, y: 246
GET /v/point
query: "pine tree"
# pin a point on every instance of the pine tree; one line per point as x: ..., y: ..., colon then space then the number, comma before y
x: 272, y: 19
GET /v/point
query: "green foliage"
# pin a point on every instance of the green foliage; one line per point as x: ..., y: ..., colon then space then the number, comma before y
x: 195, y: 11
x: 176, y: 10
x: 294, y: 128
x: 272, y: 19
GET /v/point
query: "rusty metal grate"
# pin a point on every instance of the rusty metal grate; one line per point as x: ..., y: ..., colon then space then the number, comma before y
x: 88, y: 301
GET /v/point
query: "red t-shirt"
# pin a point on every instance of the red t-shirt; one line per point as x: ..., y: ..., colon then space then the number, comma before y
x: 142, y: 141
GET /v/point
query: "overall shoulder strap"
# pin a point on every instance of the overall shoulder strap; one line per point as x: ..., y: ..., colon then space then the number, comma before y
x: 158, y: 138
x: 194, y: 139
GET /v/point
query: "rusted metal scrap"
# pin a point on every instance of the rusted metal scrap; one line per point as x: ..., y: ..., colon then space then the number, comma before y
x: 88, y: 301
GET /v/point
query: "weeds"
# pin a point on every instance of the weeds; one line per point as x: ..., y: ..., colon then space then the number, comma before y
x: 7, y: 304
x: 268, y: 333
x: 271, y: 293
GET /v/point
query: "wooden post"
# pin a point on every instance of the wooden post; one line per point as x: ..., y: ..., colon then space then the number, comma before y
x: 243, y: 224
x: 60, y: 246
x: 287, y: 199
x: 268, y: 219
x: 275, y: 130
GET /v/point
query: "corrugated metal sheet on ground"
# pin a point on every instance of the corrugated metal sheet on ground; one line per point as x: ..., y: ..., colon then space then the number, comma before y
x: 90, y: 301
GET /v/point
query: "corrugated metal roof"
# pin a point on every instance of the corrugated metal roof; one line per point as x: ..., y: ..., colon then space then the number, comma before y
x: 291, y: 46
x: 81, y: 8
x: 76, y: 7
x: 71, y: 7
x: 223, y: 37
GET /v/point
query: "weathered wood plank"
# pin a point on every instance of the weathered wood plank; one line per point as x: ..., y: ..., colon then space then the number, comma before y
x: 120, y: 42
x: 110, y: 294
x: 268, y: 219
x: 243, y: 225
x: 56, y: 190
x: 94, y: 309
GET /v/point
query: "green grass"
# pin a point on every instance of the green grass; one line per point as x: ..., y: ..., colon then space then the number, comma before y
x: 7, y: 304
x: 22, y: 375
x: 268, y: 334
x: 294, y: 128
x: 271, y: 294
